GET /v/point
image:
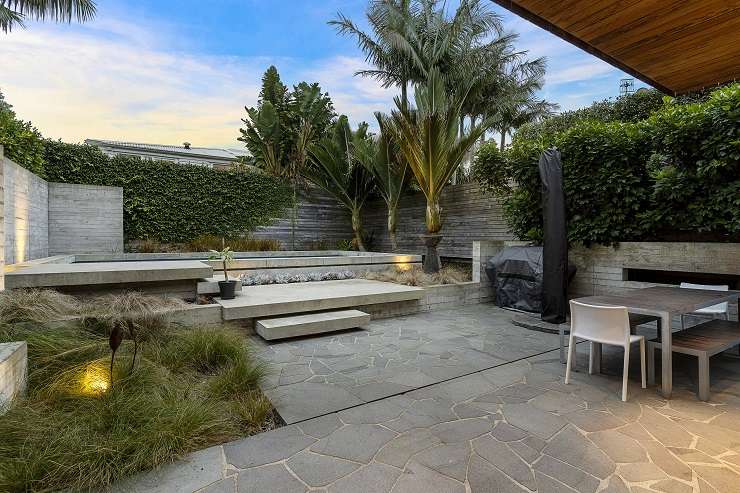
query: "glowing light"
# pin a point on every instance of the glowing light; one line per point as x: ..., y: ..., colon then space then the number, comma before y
x: 95, y: 380
x: 403, y: 267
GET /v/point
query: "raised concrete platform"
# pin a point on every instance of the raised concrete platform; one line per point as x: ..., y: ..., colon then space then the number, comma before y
x: 310, y: 324
x: 84, y: 274
x: 283, y: 299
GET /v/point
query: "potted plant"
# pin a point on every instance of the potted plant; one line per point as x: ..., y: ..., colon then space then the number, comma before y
x: 227, y: 287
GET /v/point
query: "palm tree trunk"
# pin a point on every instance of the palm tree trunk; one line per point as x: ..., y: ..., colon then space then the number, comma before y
x: 434, y: 216
x: 503, y: 138
x: 404, y: 94
x: 357, y: 229
x: 392, y: 227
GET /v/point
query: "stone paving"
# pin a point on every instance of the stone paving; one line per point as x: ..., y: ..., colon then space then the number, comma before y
x: 314, y: 376
x: 512, y: 428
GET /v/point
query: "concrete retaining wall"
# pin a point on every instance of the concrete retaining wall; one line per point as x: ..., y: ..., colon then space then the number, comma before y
x: 42, y: 219
x: 85, y: 219
x: 26, y: 214
x: 13, y: 371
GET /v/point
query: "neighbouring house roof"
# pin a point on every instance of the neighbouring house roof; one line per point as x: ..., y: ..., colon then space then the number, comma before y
x: 200, y: 152
x: 677, y: 46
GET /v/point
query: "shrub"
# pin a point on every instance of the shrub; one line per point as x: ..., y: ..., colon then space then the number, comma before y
x: 237, y: 244
x: 173, y: 202
x: 21, y: 141
x: 672, y: 175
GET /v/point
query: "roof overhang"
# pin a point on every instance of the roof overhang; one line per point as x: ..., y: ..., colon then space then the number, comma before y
x: 677, y: 46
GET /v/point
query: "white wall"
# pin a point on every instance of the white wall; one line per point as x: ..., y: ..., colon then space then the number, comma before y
x: 26, y: 214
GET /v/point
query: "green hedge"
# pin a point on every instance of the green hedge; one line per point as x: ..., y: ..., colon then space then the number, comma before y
x: 173, y: 202
x: 673, y: 175
x: 21, y: 141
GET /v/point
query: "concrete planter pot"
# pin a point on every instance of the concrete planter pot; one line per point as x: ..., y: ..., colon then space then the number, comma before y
x: 432, y: 262
x: 227, y: 289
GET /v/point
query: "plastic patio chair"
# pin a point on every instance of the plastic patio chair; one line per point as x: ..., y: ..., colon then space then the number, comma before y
x: 605, y: 325
x: 720, y: 309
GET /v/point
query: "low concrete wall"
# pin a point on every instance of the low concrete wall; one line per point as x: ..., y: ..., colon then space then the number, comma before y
x: 85, y: 219
x: 13, y: 371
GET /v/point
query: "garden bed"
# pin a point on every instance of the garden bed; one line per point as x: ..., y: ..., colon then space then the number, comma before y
x: 78, y: 428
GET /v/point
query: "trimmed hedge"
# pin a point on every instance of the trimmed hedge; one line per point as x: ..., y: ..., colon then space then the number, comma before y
x: 674, y: 175
x: 173, y: 202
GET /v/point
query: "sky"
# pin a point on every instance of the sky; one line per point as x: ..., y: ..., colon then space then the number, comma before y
x: 172, y: 71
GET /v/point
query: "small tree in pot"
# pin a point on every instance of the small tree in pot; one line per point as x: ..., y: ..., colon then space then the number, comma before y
x: 226, y: 287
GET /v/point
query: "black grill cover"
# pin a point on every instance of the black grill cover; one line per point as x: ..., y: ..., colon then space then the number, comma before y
x: 555, y: 258
x: 516, y: 273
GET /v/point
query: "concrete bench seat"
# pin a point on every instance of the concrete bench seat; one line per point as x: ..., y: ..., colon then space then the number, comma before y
x: 703, y: 341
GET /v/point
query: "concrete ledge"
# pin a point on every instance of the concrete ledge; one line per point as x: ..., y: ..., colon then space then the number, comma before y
x: 281, y: 299
x: 210, y: 285
x: 83, y: 274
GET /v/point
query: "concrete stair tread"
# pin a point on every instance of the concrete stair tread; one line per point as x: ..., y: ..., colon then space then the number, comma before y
x: 310, y: 323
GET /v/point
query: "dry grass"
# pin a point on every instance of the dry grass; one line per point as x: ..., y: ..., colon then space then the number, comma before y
x: 205, y: 244
x: 415, y: 276
x: 35, y: 305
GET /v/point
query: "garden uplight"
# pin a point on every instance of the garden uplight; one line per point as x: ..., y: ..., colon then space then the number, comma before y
x: 95, y: 380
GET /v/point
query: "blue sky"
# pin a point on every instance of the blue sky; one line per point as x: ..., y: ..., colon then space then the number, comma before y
x: 170, y: 71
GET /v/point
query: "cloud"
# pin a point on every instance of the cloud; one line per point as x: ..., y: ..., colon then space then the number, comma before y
x: 120, y: 81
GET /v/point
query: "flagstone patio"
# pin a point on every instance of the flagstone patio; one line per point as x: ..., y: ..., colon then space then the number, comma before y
x: 317, y: 375
x: 512, y: 428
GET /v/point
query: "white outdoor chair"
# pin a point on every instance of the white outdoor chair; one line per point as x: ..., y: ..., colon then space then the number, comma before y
x: 605, y: 325
x: 713, y: 311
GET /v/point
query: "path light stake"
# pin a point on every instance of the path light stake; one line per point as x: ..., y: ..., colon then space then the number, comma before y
x: 114, y: 341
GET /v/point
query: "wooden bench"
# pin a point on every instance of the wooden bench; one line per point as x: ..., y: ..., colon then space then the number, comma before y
x: 703, y: 341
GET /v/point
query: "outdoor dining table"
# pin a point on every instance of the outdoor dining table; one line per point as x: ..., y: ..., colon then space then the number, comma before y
x: 663, y: 302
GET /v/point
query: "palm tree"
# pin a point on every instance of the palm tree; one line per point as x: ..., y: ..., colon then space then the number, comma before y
x: 14, y: 12
x: 431, y: 142
x: 390, y: 170
x: 391, y: 21
x: 335, y: 167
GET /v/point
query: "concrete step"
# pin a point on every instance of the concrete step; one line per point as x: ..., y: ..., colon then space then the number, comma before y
x: 310, y: 323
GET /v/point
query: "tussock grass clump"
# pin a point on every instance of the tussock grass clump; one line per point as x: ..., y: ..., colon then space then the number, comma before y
x: 415, y: 276
x: 74, y: 430
x: 237, y: 244
x: 35, y: 305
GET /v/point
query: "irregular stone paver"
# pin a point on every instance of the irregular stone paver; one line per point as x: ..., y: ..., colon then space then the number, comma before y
x: 274, y: 478
x: 266, y: 448
x: 500, y: 455
x: 420, y: 479
x: 578, y: 437
x: 319, y: 470
x: 578, y: 451
x: 448, y: 459
x: 484, y: 478
x: 307, y: 400
x: 373, y: 478
x: 533, y: 420
x: 358, y: 443
x: 399, y: 450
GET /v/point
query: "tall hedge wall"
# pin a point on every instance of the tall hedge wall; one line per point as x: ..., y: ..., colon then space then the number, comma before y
x: 172, y: 202
x: 673, y: 175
